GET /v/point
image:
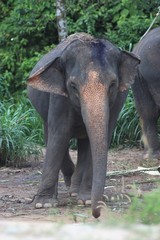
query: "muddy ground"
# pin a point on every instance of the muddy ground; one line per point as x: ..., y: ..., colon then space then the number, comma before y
x: 16, y: 185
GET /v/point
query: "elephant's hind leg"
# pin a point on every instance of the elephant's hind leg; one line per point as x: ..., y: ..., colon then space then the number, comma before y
x: 82, y: 178
x: 67, y: 168
x: 149, y: 124
x: 151, y: 142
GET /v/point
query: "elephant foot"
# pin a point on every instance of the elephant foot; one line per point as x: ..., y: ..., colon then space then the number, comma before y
x: 84, y: 198
x: 148, y: 163
x: 74, y: 189
x: 44, y: 201
x: 150, y: 159
x: 81, y: 200
x: 152, y: 154
x: 82, y: 191
x: 85, y: 203
x: 74, y: 194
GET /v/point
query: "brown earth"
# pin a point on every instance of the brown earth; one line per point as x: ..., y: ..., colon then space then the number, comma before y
x: 16, y: 185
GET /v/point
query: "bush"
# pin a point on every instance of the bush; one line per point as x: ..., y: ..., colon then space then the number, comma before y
x: 25, y: 31
x: 20, y: 132
x: 146, y: 210
x: 127, y: 131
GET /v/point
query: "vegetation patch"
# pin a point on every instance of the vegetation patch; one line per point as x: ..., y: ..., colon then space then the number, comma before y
x: 20, y: 133
x: 145, y: 210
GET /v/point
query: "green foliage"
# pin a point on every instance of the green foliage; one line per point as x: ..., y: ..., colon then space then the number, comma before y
x: 146, y: 210
x: 20, y: 132
x: 25, y: 31
x: 28, y: 29
x: 73, y: 144
x: 127, y: 131
x: 123, y: 22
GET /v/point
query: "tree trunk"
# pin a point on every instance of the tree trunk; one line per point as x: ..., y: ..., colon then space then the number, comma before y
x: 61, y: 20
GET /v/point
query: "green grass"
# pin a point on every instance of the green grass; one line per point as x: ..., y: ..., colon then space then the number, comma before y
x: 127, y: 131
x: 20, y: 132
x: 145, y: 210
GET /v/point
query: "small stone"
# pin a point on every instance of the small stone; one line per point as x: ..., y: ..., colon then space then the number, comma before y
x: 55, y: 204
x: 80, y: 202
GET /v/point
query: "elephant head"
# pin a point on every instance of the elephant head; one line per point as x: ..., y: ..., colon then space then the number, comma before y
x: 90, y: 73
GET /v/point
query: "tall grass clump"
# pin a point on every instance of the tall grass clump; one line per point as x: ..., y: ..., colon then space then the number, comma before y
x: 20, y: 132
x: 127, y: 131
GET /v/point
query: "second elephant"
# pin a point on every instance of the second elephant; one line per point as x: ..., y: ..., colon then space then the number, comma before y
x: 146, y: 90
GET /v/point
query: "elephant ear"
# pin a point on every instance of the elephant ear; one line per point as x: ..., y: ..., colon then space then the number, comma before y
x: 128, y: 69
x: 48, y: 75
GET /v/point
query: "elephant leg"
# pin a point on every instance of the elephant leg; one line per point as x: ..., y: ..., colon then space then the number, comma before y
x: 149, y: 114
x: 67, y: 168
x: 47, y: 193
x: 59, y: 132
x: 150, y: 139
x: 80, y: 170
x: 84, y: 195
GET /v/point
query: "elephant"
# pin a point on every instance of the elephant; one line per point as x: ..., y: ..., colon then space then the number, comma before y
x: 88, y: 80
x: 146, y: 92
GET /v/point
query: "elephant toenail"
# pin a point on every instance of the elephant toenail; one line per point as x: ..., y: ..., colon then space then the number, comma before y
x: 55, y: 204
x: 80, y: 202
x: 39, y: 205
x: 88, y: 202
x: 47, y: 205
x: 74, y: 194
x: 112, y: 199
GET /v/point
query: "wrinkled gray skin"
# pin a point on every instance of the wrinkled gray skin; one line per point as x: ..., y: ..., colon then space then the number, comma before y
x: 89, y: 80
x: 146, y: 90
x: 41, y: 101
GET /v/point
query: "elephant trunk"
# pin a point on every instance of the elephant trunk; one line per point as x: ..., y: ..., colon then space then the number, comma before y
x: 95, y: 113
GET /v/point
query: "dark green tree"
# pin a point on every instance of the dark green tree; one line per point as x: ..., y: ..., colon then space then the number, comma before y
x: 28, y: 29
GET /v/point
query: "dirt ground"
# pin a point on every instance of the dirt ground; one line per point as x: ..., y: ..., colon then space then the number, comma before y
x: 17, y: 185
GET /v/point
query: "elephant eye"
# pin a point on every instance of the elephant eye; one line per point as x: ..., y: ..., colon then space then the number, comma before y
x: 74, y: 87
x: 112, y: 87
